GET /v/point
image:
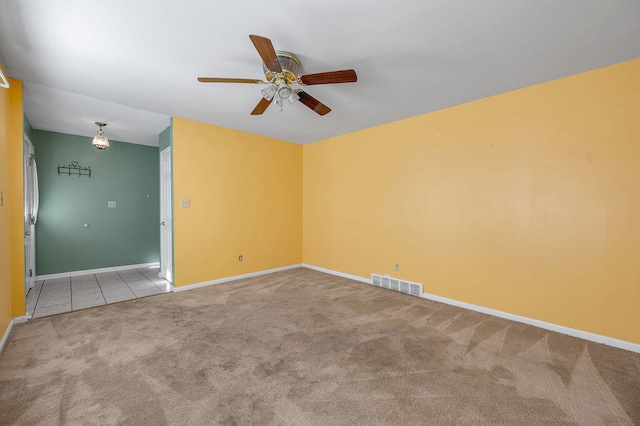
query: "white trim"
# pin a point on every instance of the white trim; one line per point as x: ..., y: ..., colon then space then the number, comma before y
x: 598, y: 338
x: 4, y: 82
x: 20, y: 320
x: 5, y: 338
x: 593, y: 337
x: 96, y: 271
x: 33, y: 204
x: 7, y: 333
x: 234, y: 278
x: 339, y: 274
x: 166, y: 216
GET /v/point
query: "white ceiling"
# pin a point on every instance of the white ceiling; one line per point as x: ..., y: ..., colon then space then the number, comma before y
x: 134, y: 63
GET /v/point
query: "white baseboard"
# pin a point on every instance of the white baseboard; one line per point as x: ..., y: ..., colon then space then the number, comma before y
x: 7, y: 333
x: 593, y: 337
x: 234, y: 278
x: 598, y: 338
x: 339, y: 274
x: 19, y: 320
x: 95, y: 271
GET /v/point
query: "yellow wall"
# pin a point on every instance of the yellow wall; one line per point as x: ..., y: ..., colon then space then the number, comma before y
x: 526, y: 202
x: 5, y: 260
x: 246, y: 199
x: 11, y: 211
x: 16, y: 196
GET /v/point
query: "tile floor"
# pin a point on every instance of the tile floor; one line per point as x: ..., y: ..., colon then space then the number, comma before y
x: 58, y: 295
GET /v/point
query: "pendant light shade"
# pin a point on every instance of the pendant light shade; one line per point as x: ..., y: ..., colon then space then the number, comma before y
x: 100, y: 141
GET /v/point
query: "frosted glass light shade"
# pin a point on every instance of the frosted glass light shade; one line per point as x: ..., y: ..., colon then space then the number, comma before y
x: 284, y: 92
x: 293, y: 97
x: 268, y: 92
x: 100, y: 142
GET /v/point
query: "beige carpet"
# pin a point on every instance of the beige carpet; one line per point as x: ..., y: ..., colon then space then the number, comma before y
x: 301, y: 347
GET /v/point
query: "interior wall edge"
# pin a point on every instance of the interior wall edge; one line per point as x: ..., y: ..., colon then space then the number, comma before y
x: 337, y: 273
x: 96, y: 271
x: 14, y: 197
x: 581, y: 334
x: 236, y: 277
x: 7, y: 333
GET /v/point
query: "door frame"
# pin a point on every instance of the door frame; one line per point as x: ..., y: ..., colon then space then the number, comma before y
x: 28, y: 155
x: 166, y: 216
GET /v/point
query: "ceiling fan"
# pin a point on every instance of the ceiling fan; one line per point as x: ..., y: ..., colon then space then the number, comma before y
x: 280, y: 70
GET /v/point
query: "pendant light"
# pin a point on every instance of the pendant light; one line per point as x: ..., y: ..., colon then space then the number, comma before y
x: 100, y: 141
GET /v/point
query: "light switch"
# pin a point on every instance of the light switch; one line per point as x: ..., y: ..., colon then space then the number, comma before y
x: 185, y: 203
x: 111, y: 204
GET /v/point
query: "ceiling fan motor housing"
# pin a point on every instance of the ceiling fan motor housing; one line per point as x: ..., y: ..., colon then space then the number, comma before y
x: 289, y: 63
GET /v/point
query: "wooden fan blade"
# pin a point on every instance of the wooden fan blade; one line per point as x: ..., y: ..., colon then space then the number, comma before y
x: 313, y: 103
x: 267, y: 52
x: 261, y: 107
x: 228, y: 80
x: 344, y: 76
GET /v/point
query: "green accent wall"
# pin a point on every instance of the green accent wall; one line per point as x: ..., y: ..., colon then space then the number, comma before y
x: 125, y: 173
x: 165, y: 139
x: 27, y: 127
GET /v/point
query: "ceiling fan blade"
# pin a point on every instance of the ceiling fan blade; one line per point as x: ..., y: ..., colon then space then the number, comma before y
x: 261, y: 107
x: 228, y: 80
x: 331, y: 77
x: 267, y: 52
x: 313, y: 103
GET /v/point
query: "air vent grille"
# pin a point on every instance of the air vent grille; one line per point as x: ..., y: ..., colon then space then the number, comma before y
x: 384, y: 282
x: 416, y: 289
x: 375, y: 280
x: 407, y: 287
x: 395, y: 285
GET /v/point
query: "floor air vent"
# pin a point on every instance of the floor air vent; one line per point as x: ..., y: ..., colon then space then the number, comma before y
x: 384, y: 282
x: 375, y: 280
x: 415, y: 289
x: 395, y: 284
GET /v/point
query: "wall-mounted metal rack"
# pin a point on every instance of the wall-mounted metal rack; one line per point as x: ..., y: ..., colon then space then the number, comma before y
x: 74, y: 169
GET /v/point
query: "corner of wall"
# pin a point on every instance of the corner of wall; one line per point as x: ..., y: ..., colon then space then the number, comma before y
x: 245, y: 195
x: 522, y: 202
x: 11, y: 210
x: 16, y: 205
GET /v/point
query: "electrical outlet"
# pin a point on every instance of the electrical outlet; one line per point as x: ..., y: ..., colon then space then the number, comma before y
x: 185, y: 203
x: 397, y: 267
x: 111, y: 204
x: 240, y: 258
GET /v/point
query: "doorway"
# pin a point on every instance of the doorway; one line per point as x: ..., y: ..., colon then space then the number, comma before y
x: 31, y: 201
x: 166, y: 224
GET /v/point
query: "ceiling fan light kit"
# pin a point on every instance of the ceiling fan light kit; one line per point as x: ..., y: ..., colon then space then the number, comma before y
x: 281, y: 71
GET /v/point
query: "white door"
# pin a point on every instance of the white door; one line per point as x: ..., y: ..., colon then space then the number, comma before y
x: 166, y: 236
x: 31, y: 201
